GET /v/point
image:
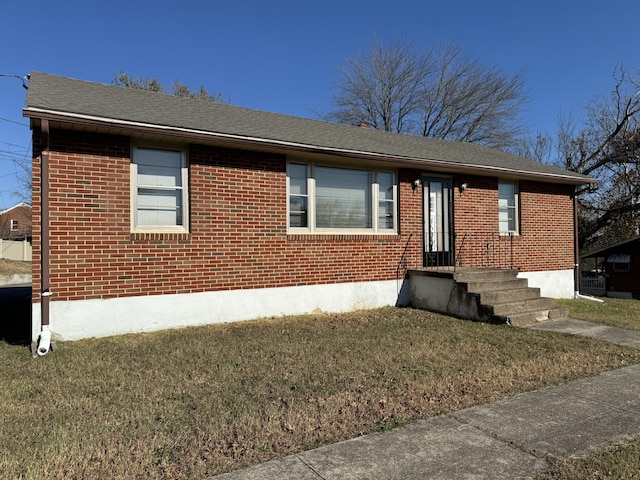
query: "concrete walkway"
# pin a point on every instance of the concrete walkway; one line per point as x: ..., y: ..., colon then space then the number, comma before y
x: 615, y: 335
x: 509, y: 438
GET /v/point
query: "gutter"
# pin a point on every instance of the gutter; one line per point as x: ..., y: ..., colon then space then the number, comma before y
x: 44, y: 343
x: 89, y: 120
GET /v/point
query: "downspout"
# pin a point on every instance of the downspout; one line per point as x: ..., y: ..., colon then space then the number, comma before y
x: 45, y: 335
x: 576, y: 254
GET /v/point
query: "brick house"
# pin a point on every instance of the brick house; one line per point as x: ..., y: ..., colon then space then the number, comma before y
x: 15, y: 222
x: 165, y: 211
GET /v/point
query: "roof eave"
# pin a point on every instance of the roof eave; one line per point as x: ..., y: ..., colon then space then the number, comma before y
x: 35, y: 113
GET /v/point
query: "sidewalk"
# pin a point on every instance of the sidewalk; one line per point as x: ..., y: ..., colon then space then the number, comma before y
x: 505, y: 439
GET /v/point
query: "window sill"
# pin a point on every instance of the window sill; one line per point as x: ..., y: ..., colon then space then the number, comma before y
x: 339, y: 237
x: 160, y: 236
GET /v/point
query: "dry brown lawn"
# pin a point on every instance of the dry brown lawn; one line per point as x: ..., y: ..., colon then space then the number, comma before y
x: 195, y: 402
x: 9, y: 267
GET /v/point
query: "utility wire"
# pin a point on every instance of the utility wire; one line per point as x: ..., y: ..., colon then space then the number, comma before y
x: 24, y: 79
x: 13, y: 121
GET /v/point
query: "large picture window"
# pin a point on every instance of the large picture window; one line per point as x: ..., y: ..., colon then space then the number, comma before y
x: 326, y: 199
x: 508, y: 207
x: 159, y: 190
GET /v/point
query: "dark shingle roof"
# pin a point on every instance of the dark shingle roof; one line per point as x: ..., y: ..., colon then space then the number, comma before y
x: 78, y: 101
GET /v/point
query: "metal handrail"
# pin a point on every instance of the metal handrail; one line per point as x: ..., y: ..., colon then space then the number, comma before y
x: 483, y: 249
x: 403, y: 259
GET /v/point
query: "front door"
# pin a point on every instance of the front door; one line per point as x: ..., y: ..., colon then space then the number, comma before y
x: 438, y: 221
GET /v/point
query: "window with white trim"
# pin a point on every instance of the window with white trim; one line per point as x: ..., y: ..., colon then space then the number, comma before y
x: 328, y: 199
x: 508, y: 207
x: 159, y: 190
x: 14, y: 225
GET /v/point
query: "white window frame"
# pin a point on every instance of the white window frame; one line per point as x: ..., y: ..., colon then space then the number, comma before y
x: 375, y: 201
x: 14, y: 225
x: 515, y: 209
x: 184, y: 188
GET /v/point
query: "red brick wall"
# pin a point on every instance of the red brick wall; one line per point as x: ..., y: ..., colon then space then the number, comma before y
x: 546, y: 235
x: 238, y: 237
x: 547, y: 232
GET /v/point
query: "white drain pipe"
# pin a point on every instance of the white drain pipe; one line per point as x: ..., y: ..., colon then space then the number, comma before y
x: 45, y: 341
x: 579, y: 296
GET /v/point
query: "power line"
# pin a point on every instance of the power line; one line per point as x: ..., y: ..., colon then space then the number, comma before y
x: 12, y: 144
x: 13, y: 154
x: 13, y: 121
x: 24, y: 79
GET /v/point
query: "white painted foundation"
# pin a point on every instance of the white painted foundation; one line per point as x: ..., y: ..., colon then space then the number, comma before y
x: 73, y: 320
x: 552, y: 283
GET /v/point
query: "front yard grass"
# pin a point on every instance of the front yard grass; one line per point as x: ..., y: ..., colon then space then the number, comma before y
x: 617, y: 462
x: 615, y: 312
x: 195, y: 402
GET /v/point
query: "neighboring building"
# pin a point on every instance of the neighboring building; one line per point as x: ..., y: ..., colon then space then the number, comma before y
x: 616, y: 272
x: 15, y: 222
x: 165, y: 211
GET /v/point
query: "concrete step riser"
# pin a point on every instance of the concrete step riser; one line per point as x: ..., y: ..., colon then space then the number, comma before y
x: 531, y: 318
x: 506, y: 296
x: 485, y: 276
x: 506, y: 309
x: 481, y: 287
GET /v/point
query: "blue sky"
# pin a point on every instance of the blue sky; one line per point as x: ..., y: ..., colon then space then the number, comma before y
x: 283, y: 55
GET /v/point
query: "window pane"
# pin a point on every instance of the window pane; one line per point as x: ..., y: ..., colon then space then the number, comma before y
x: 159, y: 168
x: 385, y: 186
x: 343, y: 198
x: 507, y: 220
x: 506, y: 190
x: 385, y: 215
x: 297, y: 179
x: 507, y: 207
x: 298, y: 198
x: 298, y: 211
x: 159, y: 207
x: 386, y: 208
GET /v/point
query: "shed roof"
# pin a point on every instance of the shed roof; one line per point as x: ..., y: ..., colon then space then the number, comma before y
x: 75, y: 103
x: 604, y: 251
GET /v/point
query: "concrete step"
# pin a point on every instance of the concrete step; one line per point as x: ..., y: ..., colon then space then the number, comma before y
x: 493, y: 285
x: 506, y: 296
x: 508, y: 308
x: 472, y: 275
x: 525, y: 319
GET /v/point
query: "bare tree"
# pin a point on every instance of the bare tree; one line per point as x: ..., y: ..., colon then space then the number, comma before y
x: 383, y: 88
x: 123, y: 79
x: 153, y: 84
x: 607, y: 147
x: 440, y: 93
x: 539, y: 148
x: 23, y: 175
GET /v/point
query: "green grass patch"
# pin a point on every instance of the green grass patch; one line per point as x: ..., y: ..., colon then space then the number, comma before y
x: 195, y: 402
x: 614, y: 463
x: 615, y: 312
